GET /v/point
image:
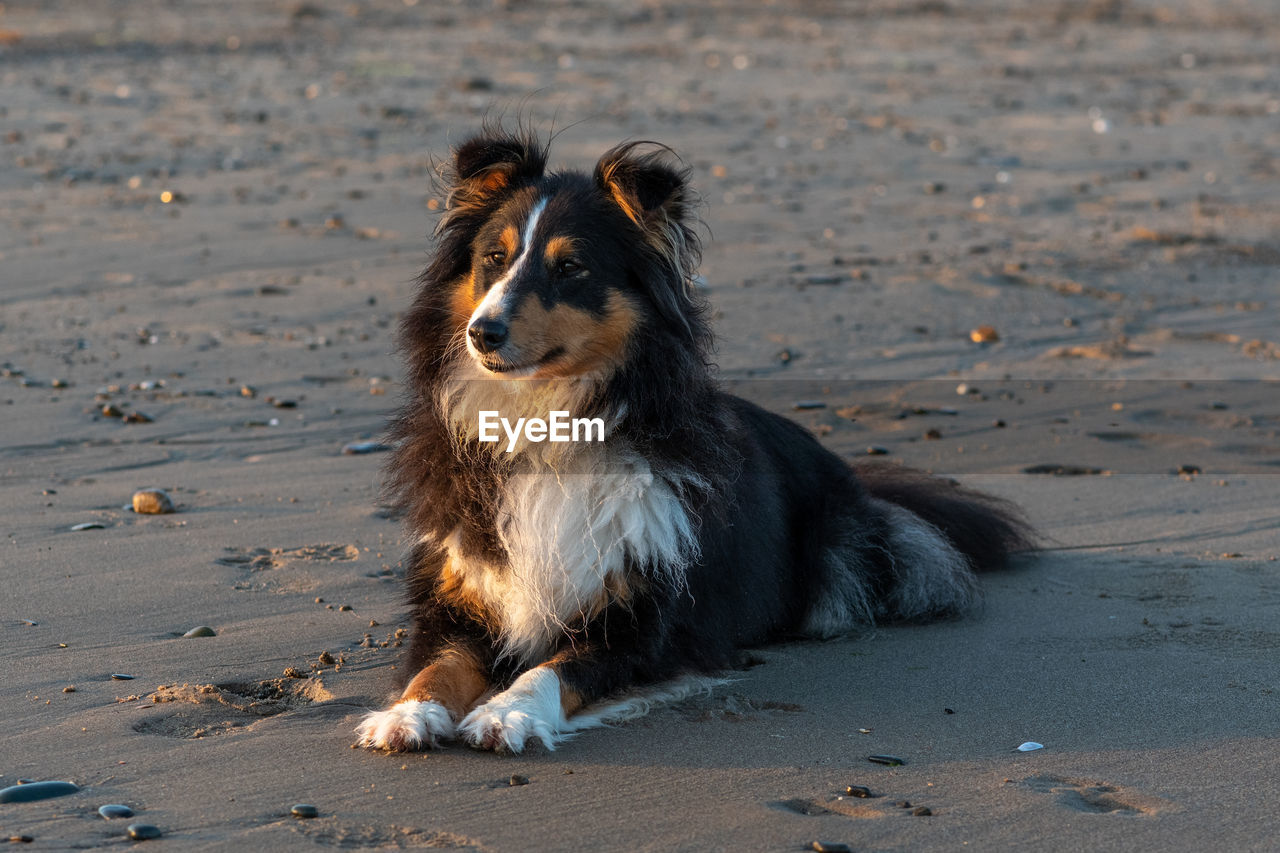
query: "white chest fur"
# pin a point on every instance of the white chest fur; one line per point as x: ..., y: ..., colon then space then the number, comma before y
x: 571, y: 539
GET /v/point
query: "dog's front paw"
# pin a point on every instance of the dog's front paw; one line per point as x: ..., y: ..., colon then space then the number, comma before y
x: 529, y: 709
x: 406, y: 725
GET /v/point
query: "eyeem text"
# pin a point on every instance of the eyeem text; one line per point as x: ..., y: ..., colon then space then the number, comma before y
x: 557, y: 427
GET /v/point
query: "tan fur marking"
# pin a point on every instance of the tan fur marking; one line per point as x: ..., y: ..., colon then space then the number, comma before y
x: 510, y: 239
x: 570, y: 699
x: 591, y: 344
x: 493, y: 180
x: 455, y: 589
x: 455, y: 679
x: 463, y: 300
x: 558, y: 249
x: 625, y: 203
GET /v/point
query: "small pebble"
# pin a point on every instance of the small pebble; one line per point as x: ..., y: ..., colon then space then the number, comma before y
x: 903, y: 804
x: 21, y: 839
x: 137, y: 418
x: 831, y: 847
x: 1030, y: 746
x: 805, y: 405
x: 947, y: 711
x: 90, y: 525
x: 325, y: 658
x: 114, y: 810
x: 862, y: 792
x: 285, y: 404
x: 1189, y: 470
x: 70, y: 688
x: 152, y: 502
x: 120, y: 676
x: 359, y: 447
x: 202, y: 631
x: 921, y: 811
x: 111, y: 410
x: 143, y: 831
x: 304, y: 810
x: 877, y: 450
x: 890, y: 760
x: 932, y: 434
x: 984, y: 335
x: 516, y: 780
x: 32, y: 791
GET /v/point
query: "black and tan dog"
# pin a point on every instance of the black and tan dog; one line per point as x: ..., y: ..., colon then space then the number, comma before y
x: 554, y: 576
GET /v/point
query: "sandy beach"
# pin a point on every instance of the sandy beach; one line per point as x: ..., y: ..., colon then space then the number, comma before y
x: 1030, y: 246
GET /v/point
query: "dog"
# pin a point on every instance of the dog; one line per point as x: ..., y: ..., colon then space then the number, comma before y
x: 546, y: 578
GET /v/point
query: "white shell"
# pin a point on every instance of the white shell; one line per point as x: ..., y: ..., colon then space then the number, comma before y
x: 1030, y: 746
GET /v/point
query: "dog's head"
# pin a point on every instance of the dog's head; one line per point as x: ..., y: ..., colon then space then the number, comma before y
x: 560, y: 275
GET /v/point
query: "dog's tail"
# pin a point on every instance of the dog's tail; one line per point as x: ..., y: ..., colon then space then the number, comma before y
x: 934, y: 534
x: 984, y: 528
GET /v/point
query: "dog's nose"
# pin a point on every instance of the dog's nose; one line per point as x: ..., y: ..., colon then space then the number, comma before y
x: 487, y: 335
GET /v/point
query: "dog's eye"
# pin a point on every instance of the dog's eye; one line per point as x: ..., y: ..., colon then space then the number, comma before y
x: 569, y: 267
x: 496, y: 259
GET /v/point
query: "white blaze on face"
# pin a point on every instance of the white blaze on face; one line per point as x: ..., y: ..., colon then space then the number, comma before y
x: 493, y: 305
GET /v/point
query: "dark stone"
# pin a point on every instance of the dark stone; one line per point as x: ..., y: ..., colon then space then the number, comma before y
x: 114, y: 810
x: 143, y: 831
x: 890, y: 760
x: 33, y: 791
x: 1062, y: 470
x: 304, y: 810
x: 862, y: 792
x: 361, y: 447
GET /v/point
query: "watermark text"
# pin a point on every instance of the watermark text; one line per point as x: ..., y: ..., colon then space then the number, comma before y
x: 558, y: 427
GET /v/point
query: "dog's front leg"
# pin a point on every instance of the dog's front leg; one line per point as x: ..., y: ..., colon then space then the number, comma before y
x: 430, y: 704
x: 449, y: 660
x: 621, y: 648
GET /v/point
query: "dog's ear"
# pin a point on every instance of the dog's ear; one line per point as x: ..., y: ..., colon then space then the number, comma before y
x: 486, y: 167
x: 649, y: 187
x: 652, y: 189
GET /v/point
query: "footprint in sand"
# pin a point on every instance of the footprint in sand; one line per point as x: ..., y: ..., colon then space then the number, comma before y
x: 732, y: 707
x: 260, y: 559
x: 1094, y: 797
x: 348, y: 835
x: 201, y: 710
x: 255, y: 560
